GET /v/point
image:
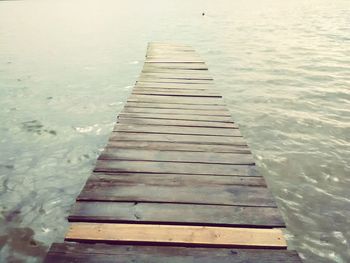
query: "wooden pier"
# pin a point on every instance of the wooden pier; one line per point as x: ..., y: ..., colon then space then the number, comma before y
x: 176, y: 181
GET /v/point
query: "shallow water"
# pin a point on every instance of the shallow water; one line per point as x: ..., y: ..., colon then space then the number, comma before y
x: 66, y: 67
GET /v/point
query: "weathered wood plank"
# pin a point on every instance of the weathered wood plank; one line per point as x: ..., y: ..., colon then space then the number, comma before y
x: 181, y: 81
x: 179, y: 138
x: 181, y: 75
x: 175, y: 93
x: 173, y: 156
x: 177, y: 123
x: 176, y: 168
x: 96, y: 253
x: 148, y: 191
x: 171, y: 112
x: 192, y: 66
x: 181, y: 91
x: 162, y: 213
x: 172, y: 87
x: 174, y: 130
x: 171, y: 146
x: 168, y: 234
x: 195, y: 65
x: 165, y: 116
x: 172, y: 54
x: 177, y: 179
x: 166, y: 70
x: 178, y: 51
x: 176, y: 100
x: 173, y: 60
x: 174, y: 106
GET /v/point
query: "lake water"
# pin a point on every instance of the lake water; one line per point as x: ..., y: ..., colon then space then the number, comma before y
x: 66, y: 68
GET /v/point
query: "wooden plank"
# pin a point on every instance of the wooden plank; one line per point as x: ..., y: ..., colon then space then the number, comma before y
x: 168, y: 234
x: 177, y: 123
x: 174, y: 87
x: 179, y: 75
x: 179, y: 138
x: 177, y: 179
x: 94, y: 253
x: 173, y: 60
x: 178, y: 51
x: 174, y: 130
x: 174, y: 106
x: 196, y: 66
x: 171, y: 146
x: 175, y: 100
x: 148, y: 191
x: 173, y: 156
x: 181, y: 49
x: 170, y: 54
x: 131, y: 191
x: 176, y: 81
x: 162, y: 213
x: 181, y: 91
x: 175, y: 93
x: 172, y: 71
x: 171, y: 112
x: 182, y: 66
x: 175, y: 168
x: 199, y: 91
x: 188, y: 117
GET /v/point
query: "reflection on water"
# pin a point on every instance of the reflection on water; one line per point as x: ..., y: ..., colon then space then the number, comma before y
x: 66, y: 68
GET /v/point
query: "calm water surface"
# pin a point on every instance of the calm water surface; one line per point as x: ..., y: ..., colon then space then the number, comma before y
x: 66, y: 68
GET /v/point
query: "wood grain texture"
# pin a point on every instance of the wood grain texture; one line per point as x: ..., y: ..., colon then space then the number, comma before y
x: 185, y: 93
x: 171, y: 112
x: 169, y: 167
x: 169, y: 70
x: 177, y: 123
x: 176, y: 100
x: 173, y: 156
x: 177, y: 90
x: 202, y: 235
x: 191, y: 66
x: 178, y: 75
x: 189, y: 117
x: 178, y: 138
x: 172, y: 106
x: 175, y: 179
x: 163, y: 129
x: 173, y: 146
x: 163, y: 213
x: 181, y: 81
x: 174, y: 60
x: 233, y: 195
x: 175, y: 87
x: 96, y: 253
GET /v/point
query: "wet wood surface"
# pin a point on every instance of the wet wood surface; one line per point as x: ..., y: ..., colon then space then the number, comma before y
x: 176, y: 171
x: 96, y: 253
